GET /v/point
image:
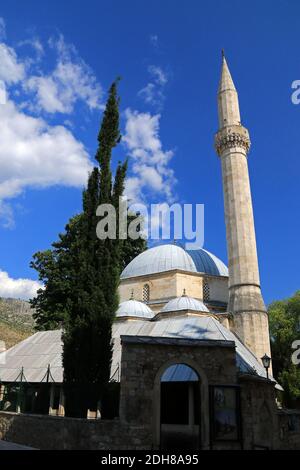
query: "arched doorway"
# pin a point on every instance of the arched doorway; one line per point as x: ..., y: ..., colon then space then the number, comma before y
x: 180, y: 408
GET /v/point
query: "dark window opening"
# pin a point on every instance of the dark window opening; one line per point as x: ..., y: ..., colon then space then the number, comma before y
x: 146, y: 293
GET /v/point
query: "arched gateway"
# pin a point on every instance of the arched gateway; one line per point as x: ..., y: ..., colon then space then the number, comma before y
x: 180, y: 415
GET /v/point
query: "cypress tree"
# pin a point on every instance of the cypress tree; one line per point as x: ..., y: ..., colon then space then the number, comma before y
x: 81, y: 275
x: 87, y: 349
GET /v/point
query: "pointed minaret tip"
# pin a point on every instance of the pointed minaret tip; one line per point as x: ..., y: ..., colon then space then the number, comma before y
x: 226, y: 82
x: 228, y: 103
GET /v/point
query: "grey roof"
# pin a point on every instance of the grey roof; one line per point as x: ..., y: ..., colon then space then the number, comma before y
x: 208, y: 263
x: 134, y: 308
x: 33, y: 354
x: 41, y: 349
x: 184, y: 303
x: 159, y: 259
x: 167, y: 257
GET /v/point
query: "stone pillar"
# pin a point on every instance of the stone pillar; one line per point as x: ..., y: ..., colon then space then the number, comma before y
x: 191, y: 404
x: 232, y: 144
x: 61, y: 409
x: 52, y: 411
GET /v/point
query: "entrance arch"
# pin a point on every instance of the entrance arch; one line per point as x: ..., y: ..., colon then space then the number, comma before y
x: 181, y: 406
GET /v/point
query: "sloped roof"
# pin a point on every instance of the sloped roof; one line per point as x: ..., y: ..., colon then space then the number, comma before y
x: 33, y: 354
x: 43, y: 348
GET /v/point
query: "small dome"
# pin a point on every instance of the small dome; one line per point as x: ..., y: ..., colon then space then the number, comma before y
x: 184, y: 303
x: 208, y: 263
x: 158, y: 259
x: 134, y: 308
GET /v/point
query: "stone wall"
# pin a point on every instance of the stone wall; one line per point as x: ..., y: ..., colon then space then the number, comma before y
x: 288, y: 429
x: 144, y: 360
x: 218, y: 288
x: 259, y: 413
x: 143, y: 363
x: 163, y: 286
x: 54, y: 433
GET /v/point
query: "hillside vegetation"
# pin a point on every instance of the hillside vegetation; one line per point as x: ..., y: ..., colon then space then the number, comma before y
x: 16, y: 322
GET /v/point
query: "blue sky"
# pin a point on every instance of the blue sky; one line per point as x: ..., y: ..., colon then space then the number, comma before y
x: 57, y: 62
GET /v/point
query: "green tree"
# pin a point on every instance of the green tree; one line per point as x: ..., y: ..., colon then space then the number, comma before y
x: 58, y: 267
x: 55, y: 268
x: 284, y: 319
x: 87, y: 346
x: 81, y: 275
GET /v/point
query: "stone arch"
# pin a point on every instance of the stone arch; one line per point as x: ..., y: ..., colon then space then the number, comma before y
x: 204, y: 399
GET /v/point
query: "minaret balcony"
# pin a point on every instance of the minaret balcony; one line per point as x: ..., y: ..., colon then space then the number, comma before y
x: 232, y: 136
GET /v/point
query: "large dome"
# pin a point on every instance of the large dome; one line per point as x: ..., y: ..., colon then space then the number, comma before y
x: 158, y: 259
x: 167, y: 257
x: 134, y: 308
x: 208, y: 263
x: 184, y: 303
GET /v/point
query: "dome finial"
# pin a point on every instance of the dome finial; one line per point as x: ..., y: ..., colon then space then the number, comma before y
x: 184, y: 293
x: 131, y: 296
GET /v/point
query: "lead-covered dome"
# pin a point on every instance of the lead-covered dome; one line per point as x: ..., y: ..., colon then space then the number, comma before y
x: 184, y: 303
x: 158, y: 259
x: 134, y: 308
x: 208, y: 263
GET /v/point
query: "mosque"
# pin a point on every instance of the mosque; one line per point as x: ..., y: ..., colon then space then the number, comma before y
x: 191, y: 342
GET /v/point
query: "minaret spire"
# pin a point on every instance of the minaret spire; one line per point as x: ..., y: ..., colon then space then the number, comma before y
x: 232, y: 144
x: 228, y: 102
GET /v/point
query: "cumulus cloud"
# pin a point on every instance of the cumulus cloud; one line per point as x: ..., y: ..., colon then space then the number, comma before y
x: 153, y: 92
x: 17, y: 288
x: 72, y: 80
x: 11, y: 69
x: 33, y: 152
x: 150, y: 162
x: 36, y: 154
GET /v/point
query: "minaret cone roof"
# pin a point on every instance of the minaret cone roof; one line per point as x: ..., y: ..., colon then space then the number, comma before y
x: 228, y: 103
x: 226, y: 82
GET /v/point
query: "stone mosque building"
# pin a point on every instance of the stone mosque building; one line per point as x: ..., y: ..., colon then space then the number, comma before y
x: 189, y: 337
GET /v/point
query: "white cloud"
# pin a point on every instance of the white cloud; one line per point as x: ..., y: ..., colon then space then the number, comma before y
x: 2, y: 29
x: 17, y: 288
x: 150, y: 162
x: 35, y: 154
x: 36, y: 45
x: 153, y: 92
x: 6, y: 215
x: 152, y: 95
x: 72, y: 80
x: 11, y: 69
x: 158, y: 74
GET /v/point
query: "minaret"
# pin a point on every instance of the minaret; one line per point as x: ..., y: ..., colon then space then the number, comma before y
x: 232, y: 143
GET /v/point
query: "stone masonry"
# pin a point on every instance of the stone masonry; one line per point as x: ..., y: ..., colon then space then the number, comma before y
x: 232, y: 144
